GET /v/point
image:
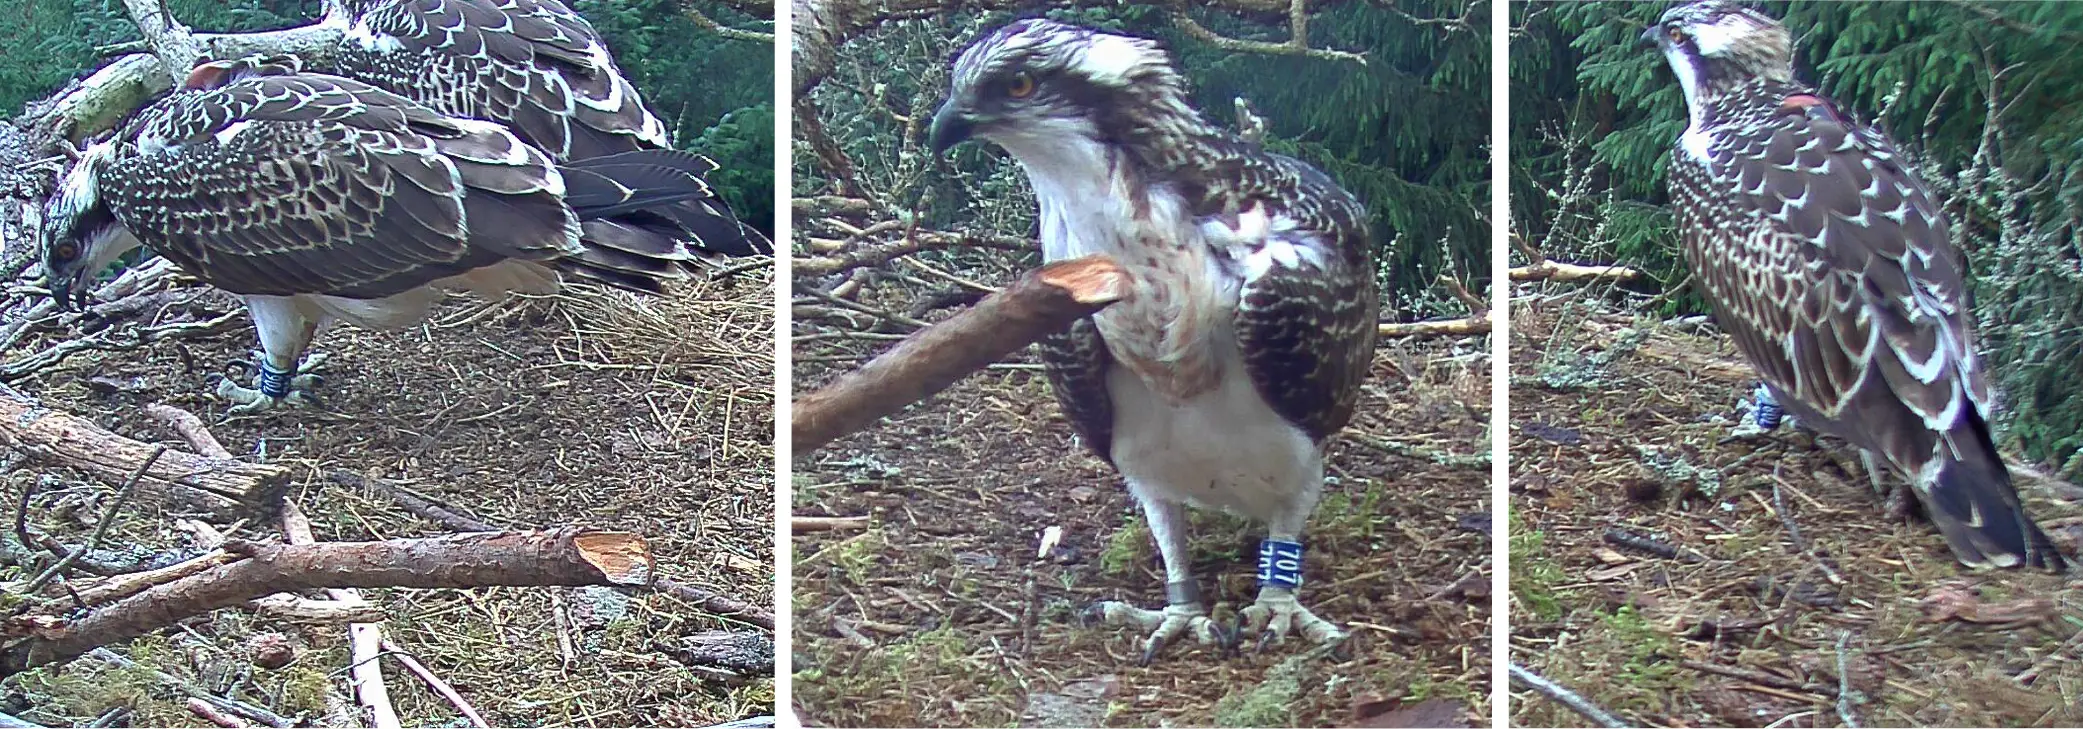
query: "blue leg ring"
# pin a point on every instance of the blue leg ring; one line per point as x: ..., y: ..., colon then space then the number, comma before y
x: 1279, y: 563
x: 1768, y: 411
x: 274, y: 383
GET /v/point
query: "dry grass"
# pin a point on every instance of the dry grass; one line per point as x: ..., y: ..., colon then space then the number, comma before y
x: 942, y: 615
x: 1615, y: 424
x: 594, y: 408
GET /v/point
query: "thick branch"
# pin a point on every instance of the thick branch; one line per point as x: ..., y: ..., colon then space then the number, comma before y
x: 220, y: 486
x: 111, y: 93
x: 1041, y: 303
x: 515, y: 559
x: 709, y: 600
x: 171, y: 40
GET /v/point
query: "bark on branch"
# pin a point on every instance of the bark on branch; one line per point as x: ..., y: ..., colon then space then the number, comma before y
x: 516, y: 559
x: 1041, y: 303
x: 222, y: 487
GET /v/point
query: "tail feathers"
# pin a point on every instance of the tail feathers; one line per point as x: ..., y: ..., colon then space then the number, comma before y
x: 1974, y: 505
x: 661, y: 188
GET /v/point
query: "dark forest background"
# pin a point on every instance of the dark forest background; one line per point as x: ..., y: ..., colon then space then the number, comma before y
x: 1406, y: 131
x: 714, y: 93
x: 1987, y: 97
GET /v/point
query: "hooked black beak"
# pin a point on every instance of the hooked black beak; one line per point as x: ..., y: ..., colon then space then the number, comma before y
x: 1650, y: 37
x: 63, y: 294
x: 950, y: 127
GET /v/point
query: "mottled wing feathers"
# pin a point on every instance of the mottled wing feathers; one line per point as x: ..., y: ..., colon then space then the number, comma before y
x: 532, y: 64
x: 312, y: 184
x: 1077, y: 362
x: 1308, y: 338
x: 1306, y: 325
x: 1851, y: 246
x: 1831, y: 267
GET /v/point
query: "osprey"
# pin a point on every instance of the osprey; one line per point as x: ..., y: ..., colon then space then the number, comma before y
x: 1251, y: 322
x: 531, y: 65
x: 1829, y: 263
x: 318, y: 198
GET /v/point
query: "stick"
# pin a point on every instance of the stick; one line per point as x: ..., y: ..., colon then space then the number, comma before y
x: 709, y: 600
x: 233, y: 706
x: 117, y: 587
x: 1844, y: 682
x: 1759, y: 677
x: 1473, y: 325
x: 802, y: 524
x: 190, y: 428
x: 1547, y: 270
x: 365, y: 639
x: 1039, y: 304
x: 222, y: 487
x: 215, y: 716
x: 108, y: 518
x: 569, y: 556
x: 434, y: 682
x: 1527, y: 678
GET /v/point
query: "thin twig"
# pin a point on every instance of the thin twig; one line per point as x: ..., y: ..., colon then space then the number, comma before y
x: 108, y: 519
x: 1577, y: 703
x: 435, y: 682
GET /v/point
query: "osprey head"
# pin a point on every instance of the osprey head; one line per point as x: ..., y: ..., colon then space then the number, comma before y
x: 79, y: 235
x: 1038, y: 80
x: 1717, y: 44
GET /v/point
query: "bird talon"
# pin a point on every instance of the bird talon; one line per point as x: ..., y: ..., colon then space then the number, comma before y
x: 1165, y: 625
x: 1276, y: 614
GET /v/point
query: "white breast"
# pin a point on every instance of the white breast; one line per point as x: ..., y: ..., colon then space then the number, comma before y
x: 1219, y: 444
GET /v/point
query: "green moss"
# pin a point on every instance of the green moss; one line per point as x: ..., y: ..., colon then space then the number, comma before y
x: 1534, y: 575
x: 1129, y: 547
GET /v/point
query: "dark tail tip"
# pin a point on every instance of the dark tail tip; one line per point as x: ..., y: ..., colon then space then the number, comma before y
x: 1975, y: 506
x: 662, y: 185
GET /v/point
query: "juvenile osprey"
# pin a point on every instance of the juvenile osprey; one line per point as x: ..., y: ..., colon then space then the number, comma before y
x: 1829, y: 263
x: 532, y: 65
x: 318, y: 198
x: 1252, y: 318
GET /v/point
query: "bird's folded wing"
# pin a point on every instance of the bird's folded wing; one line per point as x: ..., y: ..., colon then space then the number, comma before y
x: 1851, y: 276
x: 309, y: 184
x: 533, y: 64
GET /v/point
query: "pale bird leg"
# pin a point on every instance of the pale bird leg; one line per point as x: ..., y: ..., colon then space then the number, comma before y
x: 1184, y: 614
x: 279, y: 380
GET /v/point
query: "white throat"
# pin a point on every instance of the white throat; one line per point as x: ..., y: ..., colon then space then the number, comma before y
x: 1081, y: 196
x: 1694, y: 141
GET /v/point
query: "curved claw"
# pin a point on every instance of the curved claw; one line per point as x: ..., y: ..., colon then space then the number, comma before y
x: 1277, y: 614
x: 1165, y: 625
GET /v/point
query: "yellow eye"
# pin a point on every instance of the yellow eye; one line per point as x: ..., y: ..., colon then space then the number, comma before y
x: 1677, y: 36
x: 1020, y: 86
x: 66, y: 251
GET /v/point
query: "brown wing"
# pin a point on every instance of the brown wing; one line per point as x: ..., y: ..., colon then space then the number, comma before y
x: 1830, y: 265
x: 1306, y: 332
x: 533, y: 65
x: 1846, y: 272
x: 312, y: 184
x: 1307, y: 337
x: 1077, y: 362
